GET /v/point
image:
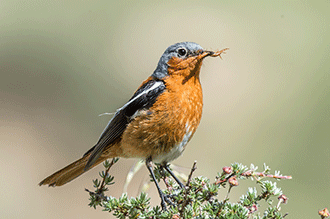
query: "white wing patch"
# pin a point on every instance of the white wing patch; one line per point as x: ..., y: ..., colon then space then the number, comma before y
x: 156, y: 84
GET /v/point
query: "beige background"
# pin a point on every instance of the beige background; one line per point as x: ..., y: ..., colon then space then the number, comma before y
x: 64, y: 62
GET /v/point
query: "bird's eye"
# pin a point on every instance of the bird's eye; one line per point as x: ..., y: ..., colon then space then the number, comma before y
x: 182, y: 52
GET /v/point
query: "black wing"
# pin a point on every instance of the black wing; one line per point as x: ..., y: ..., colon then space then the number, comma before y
x: 143, y: 98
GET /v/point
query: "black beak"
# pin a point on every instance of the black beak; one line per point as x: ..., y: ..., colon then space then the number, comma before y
x: 209, y: 53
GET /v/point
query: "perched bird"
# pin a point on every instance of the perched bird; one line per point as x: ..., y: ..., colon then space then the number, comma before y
x: 157, y: 122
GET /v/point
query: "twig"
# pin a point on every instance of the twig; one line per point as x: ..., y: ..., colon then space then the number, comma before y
x: 249, y: 173
x: 223, y: 180
x: 226, y: 198
x: 113, y: 161
x: 191, y: 173
x: 99, y: 196
x: 186, y: 200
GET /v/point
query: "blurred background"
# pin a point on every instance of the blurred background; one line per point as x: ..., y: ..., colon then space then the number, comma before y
x: 62, y: 63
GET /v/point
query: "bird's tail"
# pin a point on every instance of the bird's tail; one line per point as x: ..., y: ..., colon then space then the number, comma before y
x: 69, y: 172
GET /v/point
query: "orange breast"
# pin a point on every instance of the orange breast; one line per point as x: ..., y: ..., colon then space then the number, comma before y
x: 163, y: 130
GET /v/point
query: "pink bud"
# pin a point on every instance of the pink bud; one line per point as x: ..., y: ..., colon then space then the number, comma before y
x: 324, y: 213
x: 233, y: 181
x: 227, y: 170
x: 283, y: 199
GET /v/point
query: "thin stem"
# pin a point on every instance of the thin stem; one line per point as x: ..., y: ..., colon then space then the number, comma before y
x: 113, y: 161
x: 226, y: 198
x: 261, y: 174
x: 194, y: 167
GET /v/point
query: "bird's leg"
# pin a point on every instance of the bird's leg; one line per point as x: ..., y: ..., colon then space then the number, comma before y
x: 161, y: 194
x: 166, y: 166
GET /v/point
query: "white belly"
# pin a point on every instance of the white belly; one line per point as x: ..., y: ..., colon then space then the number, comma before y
x: 176, y: 150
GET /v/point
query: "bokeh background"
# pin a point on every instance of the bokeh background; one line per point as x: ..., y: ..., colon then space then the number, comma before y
x: 62, y: 63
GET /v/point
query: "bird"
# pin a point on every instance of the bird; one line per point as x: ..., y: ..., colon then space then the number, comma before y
x: 156, y: 123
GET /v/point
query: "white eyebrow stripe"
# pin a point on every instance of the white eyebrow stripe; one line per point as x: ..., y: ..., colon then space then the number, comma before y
x: 157, y: 84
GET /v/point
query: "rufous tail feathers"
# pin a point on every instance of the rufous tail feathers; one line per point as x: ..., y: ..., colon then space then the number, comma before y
x: 69, y: 172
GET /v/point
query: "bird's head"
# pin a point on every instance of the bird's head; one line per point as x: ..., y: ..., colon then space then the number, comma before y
x: 182, y: 59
